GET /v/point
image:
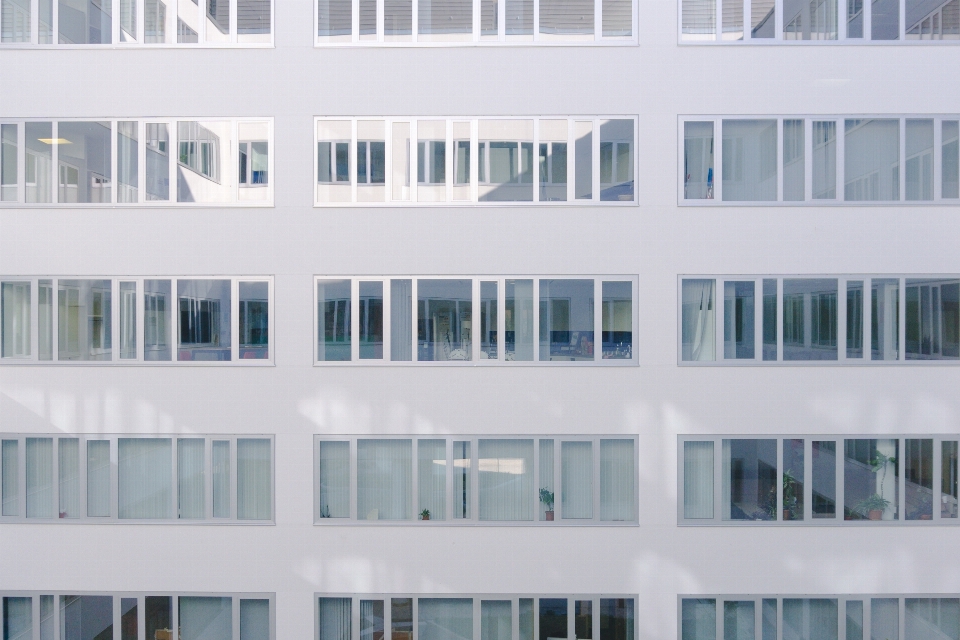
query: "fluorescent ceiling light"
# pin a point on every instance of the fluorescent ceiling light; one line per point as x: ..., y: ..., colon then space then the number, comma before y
x: 54, y: 140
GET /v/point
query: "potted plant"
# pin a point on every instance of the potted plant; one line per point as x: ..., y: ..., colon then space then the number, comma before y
x: 546, y: 497
x: 872, y: 507
x: 425, y: 514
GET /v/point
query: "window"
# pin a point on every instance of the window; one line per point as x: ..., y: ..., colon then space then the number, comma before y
x: 474, y: 480
x: 103, y: 162
x: 122, y: 23
x: 184, y: 320
x: 71, y: 478
x: 480, y: 160
x: 818, y: 480
x: 821, y: 319
x: 381, y: 320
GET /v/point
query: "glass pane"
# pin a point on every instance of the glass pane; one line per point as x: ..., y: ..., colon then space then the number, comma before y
x: 583, y: 160
x: 8, y: 140
x: 489, y: 20
x: 885, y: 319
x: 432, y: 479
x: 810, y: 618
x: 128, y: 320
x: 204, y: 618
x: 371, y: 157
x: 444, y: 320
x: 397, y: 20
x: 854, y: 18
x: 45, y: 319
x: 814, y: 20
x: 445, y: 21
x: 371, y: 620
x: 739, y: 621
x: 333, y: 619
x: 384, y: 479
x: 254, y: 619
x: 254, y: 147
x: 462, y: 156
x: 127, y: 156
x: 933, y: 319
x: 739, y: 342
x: 526, y: 619
x: 553, y: 160
x: 749, y: 157
x: 872, y: 158
x: 810, y: 319
x: 85, y: 22
x: 333, y: 313
x: 616, y: 619
x: 495, y: 620
x: 400, y: 155
x: 732, y: 20
x: 146, y: 478
x: 158, y: 614
x: 583, y: 619
x: 156, y: 320
x: 793, y: 479
x: 204, y: 320
x: 17, y: 618
x: 855, y: 318
x: 333, y: 169
x: 254, y: 329
x: 39, y: 477
x: 505, y: 490
x: 506, y: 160
x: 191, y: 481
x: 546, y: 493
x: 85, y: 320
x: 769, y: 319
x: 84, y: 159
x: 371, y: 320
x: 698, y: 149
x: 519, y: 21
x: 221, y: 479
x: 401, y: 323
x: 47, y: 610
x: 157, y: 158
x: 769, y: 619
x: 518, y: 320
x: 951, y: 157
x: 918, y: 469
x: 401, y: 619
x: 68, y: 472
x: 617, y: 320
x: 566, y: 19
x: 253, y: 23
x: 98, y: 478
x: 368, y: 19
x: 461, y: 479
x: 855, y: 620
x: 932, y: 618
x: 749, y: 479
x: 488, y: 320
x: 10, y: 477
x: 871, y: 479
x: 698, y: 334
x: 15, y: 319
x: 698, y: 479
x: 825, y: 158
x: 86, y: 617
x: 128, y: 619
x: 333, y: 462
x: 444, y: 619
x: 794, y: 143
x: 566, y: 320
x: 824, y: 479
x: 884, y: 619
x: 617, y: 475
x: 38, y: 162
x: 576, y: 480
x: 205, y: 161
x: 616, y: 160
x: 919, y: 139
x: 254, y: 479
x: 431, y: 155
x: 948, y: 479
x: 617, y: 18
x: 14, y: 21
x: 553, y: 618
x: 698, y: 619
x: 885, y: 25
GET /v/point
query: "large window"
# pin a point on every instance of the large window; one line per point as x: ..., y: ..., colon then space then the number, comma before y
x: 468, y: 480
x: 119, y: 478
x: 475, y: 320
x: 141, y: 616
x: 818, y: 480
x: 137, y: 162
x: 820, y: 160
x: 129, y: 23
x: 410, y: 161
x: 853, y: 319
x: 136, y: 320
x: 819, y: 617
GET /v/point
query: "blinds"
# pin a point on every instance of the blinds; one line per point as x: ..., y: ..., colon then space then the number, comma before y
x: 221, y: 478
x: 253, y: 479
x: 569, y: 17
x: 401, y: 310
x: 519, y: 17
x: 146, y: 472
x: 384, y: 482
x: 203, y: 618
x: 39, y: 477
x: 616, y: 480
x: 506, y: 479
x: 334, y: 618
x: 698, y: 479
x: 397, y: 17
x: 69, y: 473
x: 335, y: 17
x: 576, y: 479
x: 253, y: 16
x: 334, y: 472
x: 617, y: 17
x: 98, y: 478
x: 444, y: 16
x: 190, y: 478
x: 15, y: 310
x: 445, y: 619
x: 432, y: 477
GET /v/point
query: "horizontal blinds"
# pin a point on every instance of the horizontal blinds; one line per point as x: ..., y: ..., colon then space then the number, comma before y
x: 566, y: 16
x: 699, y: 16
x: 334, y: 17
x: 397, y: 17
x: 445, y: 16
x: 617, y: 17
x: 368, y: 17
x: 488, y: 17
x: 253, y: 16
x: 519, y: 17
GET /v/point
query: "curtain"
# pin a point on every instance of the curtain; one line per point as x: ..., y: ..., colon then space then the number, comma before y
x: 519, y: 319
x: 206, y: 618
x: 384, y: 479
x: 432, y: 477
x: 446, y: 619
x: 17, y: 618
x: 506, y: 480
x: 98, y: 478
x: 401, y: 310
x: 617, y: 480
x: 461, y: 478
x: 69, y: 467
x: 495, y: 620
x: 334, y: 619
x: 145, y: 483
x: 221, y: 478
x: 698, y: 479
x: 932, y: 619
x: 254, y: 493
x: 698, y: 321
x: 39, y: 477
x: 576, y: 480
x: 813, y: 619
x: 334, y: 495
x: 371, y: 620
x: 15, y: 329
x: 191, y: 484
x: 10, y: 477
x: 546, y: 474
x: 255, y: 619
x: 698, y: 619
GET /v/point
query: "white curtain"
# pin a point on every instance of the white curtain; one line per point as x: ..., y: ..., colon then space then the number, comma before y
x: 546, y: 474
x: 495, y: 619
x: 520, y: 294
x: 446, y: 619
x: 334, y: 619
x: 146, y: 468
x: 254, y: 491
x: 206, y: 618
x: 461, y: 478
x: 17, y: 618
x: 69, y: 468
x: 221, y: 478
x: 698, y: 321
x: 334, y: 472
x: 384, y: 479
x: 10, y: 478
x: 401, y: 311
x: 698, y: 479
x: 255, y: 619
x: 15, y: 328
x: 617, y: 476
x: 39, y: 477
x: 506, y: 479
x: 191, y: 485
x: 932, y: 619
x: 816, y: 619
x: 576, y: 480
x: 98, y: 478
x: 432, y: 477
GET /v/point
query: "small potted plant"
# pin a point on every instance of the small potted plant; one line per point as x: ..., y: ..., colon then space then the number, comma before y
x: 425, y: 514
x: 872, y: 507
x: 546, y: 497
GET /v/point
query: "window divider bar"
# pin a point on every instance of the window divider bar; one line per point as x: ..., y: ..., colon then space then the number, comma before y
x: 902, y: 483
x: 114, y: 24
x: 718, y: 482
x: 141, y: 616
x: 501, y: 21
x: 414, y: 32
x: 54, y: 320
x: 901, y: 601
x: 175, y: 472
x: 514, y: 614
x: 414, y: 329
x: 901, y: 36
x: 175, y: 613
x: 536, y: 29
x: 140, y: 26
x: 474, y: 35
x: 867, y: 21
x: 235, y: 608
x: 35, y: 27
x: 535, y: 489
x: 778, y: 21
x: 747, y: 20
x: 54, y: 27
x: 116, y: 614
x: 354, y: 20
x: 234, y: 38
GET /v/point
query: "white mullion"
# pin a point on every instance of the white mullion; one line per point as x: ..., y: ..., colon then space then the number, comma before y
x: 748, y: 20
x: 718, y: 35
x: 388, y: 618
x: 174, y: 613
x: 841, y: 22
x: 681, y: 153
x: 778, y: 20
x: 114, y: 26
x: 937, y: 159
x: 235, y: 601
x: 867, y: 20
x: 902, y: 320
x: 34, y: 617
x: 116, y: 599
x: 572, y: 617
x: 780, y: 142
x: 141, y: 617
x: 170, y: 29
x: 354, y: 320
x: 54, y: 23
x: 414, y: 356
x: 536, y: 320
x: 902, y: 173
x: 475, y: 34
x: 757, y: 611
x: 140, y: 27
x: 234, y: 320
x: 22, y: 161
x: 352, y: 159
x: 233, y: 33
x: 595, y: 163
x: 448, y: 162
x: 717, y: 155
x: 535, y: 160
x: 571, y: 160
x: 475, y: 164
x: 902, y: 36
x: 536, y: 603
x: 201, y: 24
x: 501, y: 21
x: 34, y: 21
x: 476, y: 617
x: 536, y: 35
x: 597, y: 23
x: 235, y: 155
x: 354, y: 21
x: 515, y: 612
x: 54, y: 156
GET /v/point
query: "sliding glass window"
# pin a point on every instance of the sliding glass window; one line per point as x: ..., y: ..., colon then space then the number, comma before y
x: 469, y: 480
x: 818, y: 480
x: 495, y: 160
x: 130, y: 162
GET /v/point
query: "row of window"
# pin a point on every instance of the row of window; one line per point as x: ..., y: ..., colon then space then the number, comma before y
x: 408, y: 160
x: 820, y: 160
x: 822, y: 617
x: 26, y: 615
x: 818, y: 480
x: 129, y: 162
x: 97, y: 479
x: 576, y: 480
x: 819, y: 319
x: 154, y: 320
x: 378, y: 320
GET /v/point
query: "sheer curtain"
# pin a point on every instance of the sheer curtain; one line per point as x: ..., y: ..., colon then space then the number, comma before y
x: 98, y: 478
x: 576, y: 480
x: 384, y: 479
x: 191, y: 483
x: 254, y: 493
x: 698, y: 321
x: 69, y: 467
x: 203, y: 618
x: 39, y: 477
x: 255, y: 619
x: 446, y: 619
x: 506, y: 480
x: 146, y: 469
x: 334, y: 618
x: 401, y: 312
x: 495, y: 619
x: 812, y: 619
x: 698, y: 479
x: 17, y: 618
x: 221, y: 478
x: 616, y: 480
x: 10, y: 477
x: 334, y: 476
x: 432, y: 477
